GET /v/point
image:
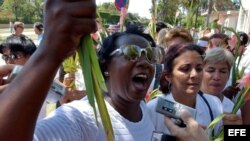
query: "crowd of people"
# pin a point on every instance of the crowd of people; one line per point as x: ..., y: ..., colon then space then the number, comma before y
x: 196, y: 74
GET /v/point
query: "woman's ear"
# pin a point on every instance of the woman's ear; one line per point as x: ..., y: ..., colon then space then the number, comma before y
x: 168, y: 77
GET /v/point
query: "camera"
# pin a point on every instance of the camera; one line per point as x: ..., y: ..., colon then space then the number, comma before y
x: 173, y: 110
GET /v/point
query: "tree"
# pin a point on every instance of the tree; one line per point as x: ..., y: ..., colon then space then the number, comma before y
x: 110, y: 15
x: 14, y: 6
x: 108, y: 7
x: 179, y: 12
x: 23, y: 10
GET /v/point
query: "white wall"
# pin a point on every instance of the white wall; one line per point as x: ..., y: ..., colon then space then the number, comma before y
x: 243, y: 23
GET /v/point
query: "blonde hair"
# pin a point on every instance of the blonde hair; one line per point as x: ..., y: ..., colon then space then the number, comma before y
x: 17, y: 24
x: 178, y: 32
x: 161, y: 37
x: 218, y: 54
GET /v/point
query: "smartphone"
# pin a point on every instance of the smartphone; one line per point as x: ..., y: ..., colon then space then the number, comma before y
x: 16, y: 70
x: 173, y: 109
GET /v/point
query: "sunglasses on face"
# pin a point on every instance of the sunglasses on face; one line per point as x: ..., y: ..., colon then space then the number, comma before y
x: 12, y: 56
x: 134, y: 52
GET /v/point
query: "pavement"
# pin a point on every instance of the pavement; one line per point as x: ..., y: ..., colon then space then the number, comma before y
x: 4, y: 32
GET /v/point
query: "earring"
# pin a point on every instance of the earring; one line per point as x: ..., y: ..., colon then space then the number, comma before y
x: 106, y: 73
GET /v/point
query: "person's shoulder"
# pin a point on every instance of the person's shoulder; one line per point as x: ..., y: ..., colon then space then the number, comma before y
x: 227, y: 101
x: 213, y: 101
x: 211, y: 97
x: 10, y: 36
x: 152, y: 103
x: 80, y: 104
x: 78, y: 109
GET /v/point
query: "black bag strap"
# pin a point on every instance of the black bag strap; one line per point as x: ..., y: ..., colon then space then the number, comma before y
x: 209, y: 107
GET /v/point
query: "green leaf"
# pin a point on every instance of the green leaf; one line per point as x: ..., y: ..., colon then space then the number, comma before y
x: 84, y: 56
x: 155, y: 93
x: 220, y: 137
x: 95, y: 83
x: 96, y: 67
x: 103, y: 111
x: 212, y: 125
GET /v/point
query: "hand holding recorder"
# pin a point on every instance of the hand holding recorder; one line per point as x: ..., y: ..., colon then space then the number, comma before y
x: 192, y: 132
x: 173, y: 110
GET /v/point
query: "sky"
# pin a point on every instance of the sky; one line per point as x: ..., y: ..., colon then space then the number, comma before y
x: 141, y: 7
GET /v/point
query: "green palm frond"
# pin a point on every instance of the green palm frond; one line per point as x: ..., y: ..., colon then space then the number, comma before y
x: 95, y: 84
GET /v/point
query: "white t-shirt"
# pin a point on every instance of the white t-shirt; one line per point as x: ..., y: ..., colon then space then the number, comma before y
x: 228, y: 106
x: 75, y: 121
x: 202, y: 116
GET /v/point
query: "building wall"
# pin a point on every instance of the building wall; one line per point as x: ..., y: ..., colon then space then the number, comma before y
x: 243, y: 23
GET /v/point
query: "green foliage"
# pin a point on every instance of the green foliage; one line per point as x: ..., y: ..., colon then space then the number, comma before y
x: 22, y: 10
x: 108, y: 7
x: 110, y: 15
x: 167, y: 10
x: 109, y: 18
x: 187, y: 9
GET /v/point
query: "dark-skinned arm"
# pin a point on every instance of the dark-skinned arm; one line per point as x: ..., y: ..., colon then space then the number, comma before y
x: 66, y: 21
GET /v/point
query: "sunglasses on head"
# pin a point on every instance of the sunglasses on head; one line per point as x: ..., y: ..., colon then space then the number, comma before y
x: 134, y: 52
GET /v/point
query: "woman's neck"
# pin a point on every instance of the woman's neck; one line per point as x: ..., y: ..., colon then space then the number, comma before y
x: 129, y: 110
x: 190, y: 101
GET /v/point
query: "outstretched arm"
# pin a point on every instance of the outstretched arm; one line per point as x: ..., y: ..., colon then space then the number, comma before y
x: 66, y: 21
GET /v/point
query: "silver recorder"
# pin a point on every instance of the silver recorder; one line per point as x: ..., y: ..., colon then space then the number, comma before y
x: 173, y: 109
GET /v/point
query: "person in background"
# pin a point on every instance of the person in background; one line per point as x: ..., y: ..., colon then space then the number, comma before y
x: 113, y: 28
x: 161, y: 38
x: 231, y: 90
x: 38, y: 29
x: 160, y: 25
x: 180, y: 82
x: 177, y: 36
x: 218, y: 40
x: 18, y: 30
x: 160, y: 54
x: 17, y: 50
x: 203, y: 42
x: 218, y: 63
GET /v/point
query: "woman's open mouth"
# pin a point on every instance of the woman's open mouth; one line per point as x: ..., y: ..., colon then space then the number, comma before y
x: 140, y: 81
